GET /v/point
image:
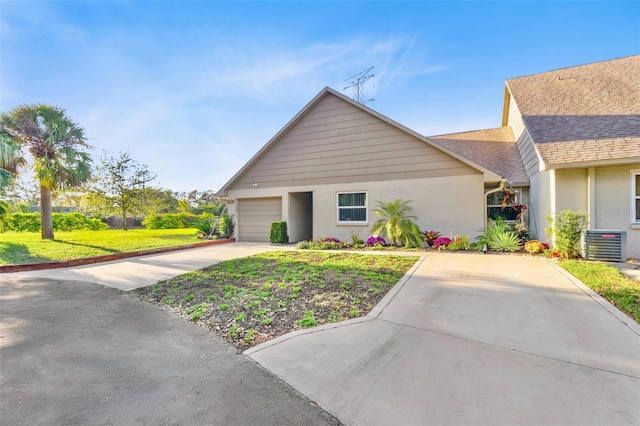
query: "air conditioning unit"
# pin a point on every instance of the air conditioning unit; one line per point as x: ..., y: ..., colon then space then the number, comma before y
x: 604, y: 244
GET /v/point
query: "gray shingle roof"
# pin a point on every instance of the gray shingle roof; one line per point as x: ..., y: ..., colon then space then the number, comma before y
x: 584, y: 113
x: 493, y: 149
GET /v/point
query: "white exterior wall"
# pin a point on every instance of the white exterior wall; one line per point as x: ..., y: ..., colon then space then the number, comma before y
x: 450, y: 205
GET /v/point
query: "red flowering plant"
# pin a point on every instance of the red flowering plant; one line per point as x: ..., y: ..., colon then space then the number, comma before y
x: 520, y: 210
x: 430, y: 236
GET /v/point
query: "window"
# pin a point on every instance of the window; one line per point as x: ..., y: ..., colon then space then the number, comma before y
x: 635, y: 197
x: 499, y: 205
x: 352, y: 207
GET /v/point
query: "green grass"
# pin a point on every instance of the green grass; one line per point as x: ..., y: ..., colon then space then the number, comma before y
x: 608, y: 282
x: 27, y: 247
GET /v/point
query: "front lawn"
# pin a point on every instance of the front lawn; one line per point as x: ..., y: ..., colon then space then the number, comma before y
x: 608, y: 282
x: 27, y: 247
x: 254, y: 299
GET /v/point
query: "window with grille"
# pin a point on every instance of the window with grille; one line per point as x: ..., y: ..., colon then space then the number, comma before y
x: 352, y: 207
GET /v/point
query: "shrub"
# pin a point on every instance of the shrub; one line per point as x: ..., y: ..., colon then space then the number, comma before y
x: 522, y: 233
x: 356, y: 240
x: 476, y: 246
x: 23, y: 222
x: 205, y: 229
x: 441, y: 242
x: 494, y: 227
x: 377, y: 241
x: 430, y: 236
x: 534, y: 247
x: 278, y: 233
x: 303, y: 245
x: 76, y: 221
x: 30, y: 222
x: 225, y: 225
x: 331, y: 240
x: 505, y: 241
x: 566, y: 228
x: 396, y: 223
x: 173, y: 220
x: 459, y: 243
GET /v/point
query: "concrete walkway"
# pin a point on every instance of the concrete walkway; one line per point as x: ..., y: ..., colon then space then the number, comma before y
x: 472, y: 339
x: 135, y: 272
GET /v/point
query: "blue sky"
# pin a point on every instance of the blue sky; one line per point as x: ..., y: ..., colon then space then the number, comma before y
x: 195, y: 89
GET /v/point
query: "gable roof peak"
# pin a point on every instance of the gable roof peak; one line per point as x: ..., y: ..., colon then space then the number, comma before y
x: 572, y: 67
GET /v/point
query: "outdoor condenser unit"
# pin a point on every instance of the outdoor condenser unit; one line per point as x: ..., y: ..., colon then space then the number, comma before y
x: 604, y: 244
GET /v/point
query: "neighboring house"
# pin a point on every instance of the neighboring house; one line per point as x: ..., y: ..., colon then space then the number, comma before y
x: 578, y: 132
x: 570, y: 139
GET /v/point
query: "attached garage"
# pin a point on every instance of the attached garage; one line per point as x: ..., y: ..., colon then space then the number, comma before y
x: 255, y: 216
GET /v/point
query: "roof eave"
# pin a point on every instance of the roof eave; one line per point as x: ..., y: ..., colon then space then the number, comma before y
x: 593, y: 163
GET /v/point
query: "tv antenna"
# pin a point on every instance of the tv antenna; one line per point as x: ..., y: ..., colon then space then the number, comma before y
x: 356, y: 83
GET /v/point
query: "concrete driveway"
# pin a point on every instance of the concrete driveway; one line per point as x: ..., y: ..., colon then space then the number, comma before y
x: 472, y: 339
x: 464, y: 339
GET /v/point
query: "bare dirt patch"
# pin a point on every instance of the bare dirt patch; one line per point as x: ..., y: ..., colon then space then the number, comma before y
x: 254, y: 299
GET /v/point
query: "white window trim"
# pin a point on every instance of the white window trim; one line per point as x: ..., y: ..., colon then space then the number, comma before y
x: 517, y: 200
x: 633, y: 197
x: 366, y: 207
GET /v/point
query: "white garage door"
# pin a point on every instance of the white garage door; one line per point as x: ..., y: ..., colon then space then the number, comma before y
x: 255, y: 216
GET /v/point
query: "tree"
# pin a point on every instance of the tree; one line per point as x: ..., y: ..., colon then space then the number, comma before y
x: 396, y: 223
x: 10, y: 159
x: 120, y: 182
x: 55, y: 143
x: 159, y: 201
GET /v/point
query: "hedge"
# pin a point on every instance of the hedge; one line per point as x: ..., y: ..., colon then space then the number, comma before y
x: 30, y: 222
x: 173, y: 220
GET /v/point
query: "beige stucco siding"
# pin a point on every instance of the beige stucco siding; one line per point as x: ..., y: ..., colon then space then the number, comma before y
x: 612, y: 199
x: 571, y: 190
x: 337, y: 142
x: 449, y: 204
x: 613, y: 203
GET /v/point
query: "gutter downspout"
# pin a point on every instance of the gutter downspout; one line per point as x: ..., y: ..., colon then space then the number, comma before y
x: 501, y: 187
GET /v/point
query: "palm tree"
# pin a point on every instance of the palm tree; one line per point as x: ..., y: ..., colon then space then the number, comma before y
x: 396, y: 223
x: 10, y: 159
x: 53, y: 140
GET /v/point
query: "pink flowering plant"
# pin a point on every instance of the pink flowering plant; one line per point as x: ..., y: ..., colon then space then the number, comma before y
x: 331, y: 240
x: 441, y: 241
x: 375, y: 242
